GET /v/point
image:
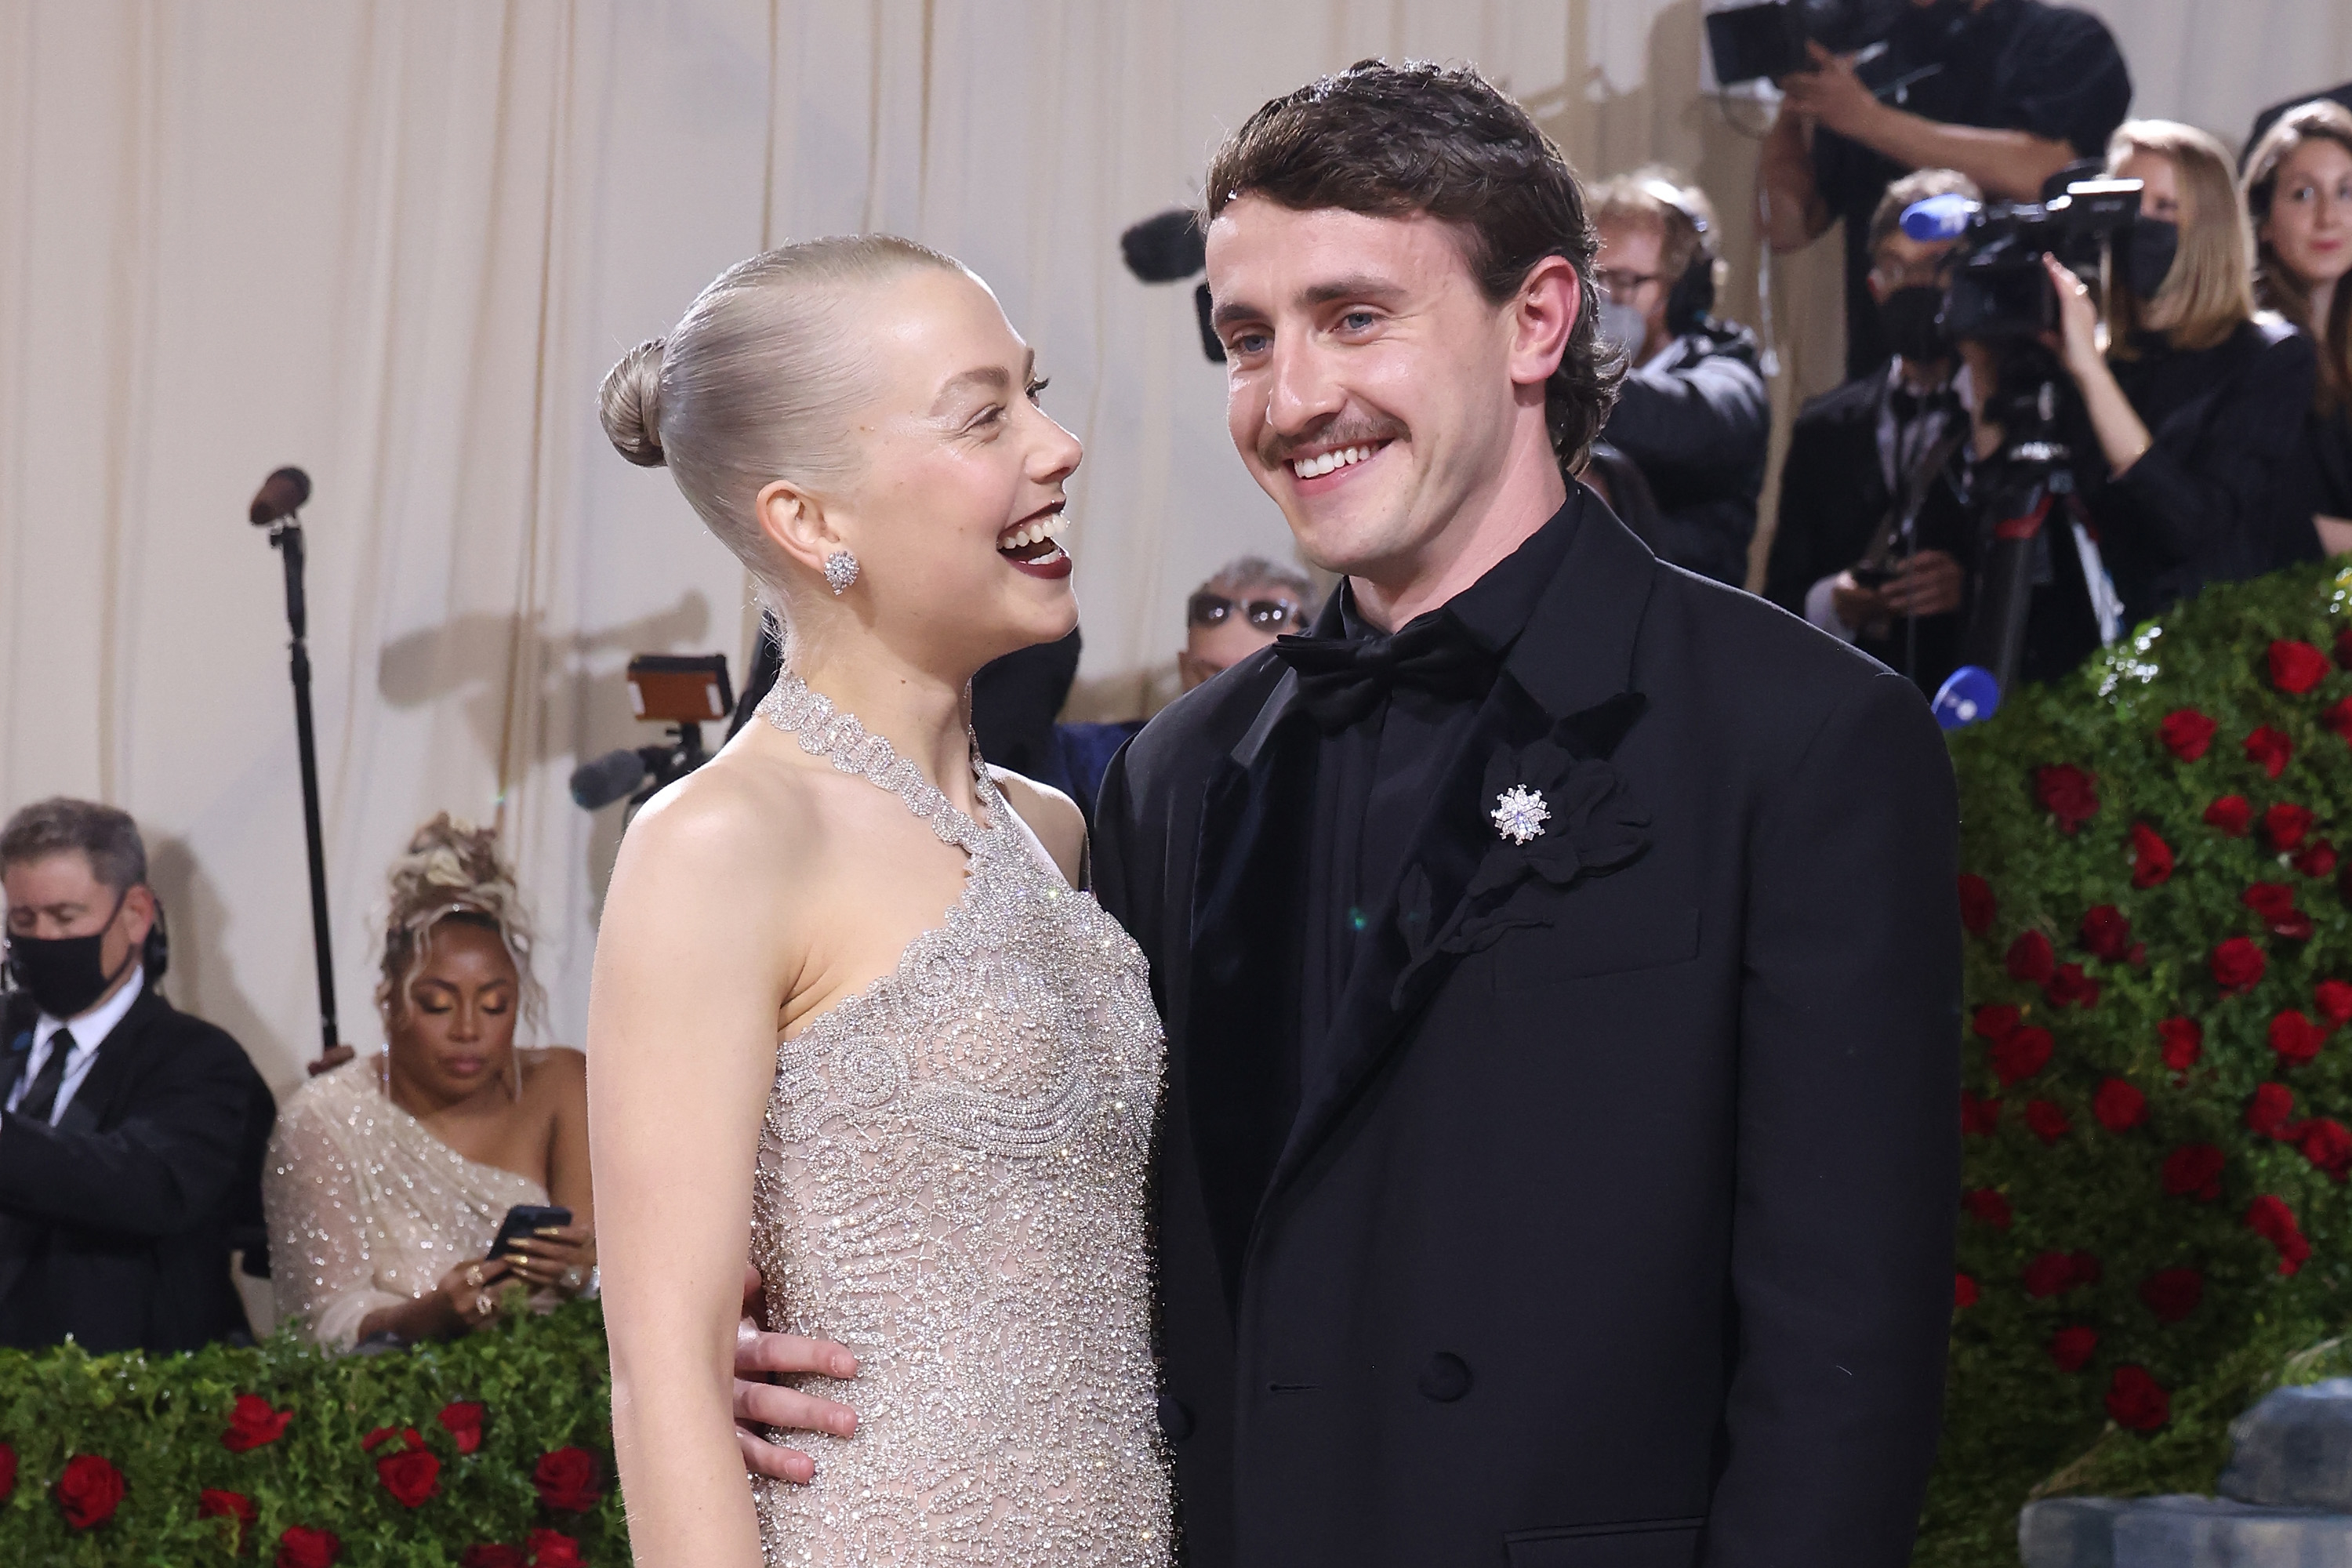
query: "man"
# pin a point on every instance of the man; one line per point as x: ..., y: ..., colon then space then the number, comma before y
x: 1248, y: 603
x: 131, y: 1144
x: 1692, y: 413
x: 1559, y: 951
x: 2007, y: 92
x: 1886, y: 445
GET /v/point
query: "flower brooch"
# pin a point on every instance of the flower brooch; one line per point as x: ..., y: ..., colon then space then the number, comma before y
x: 1520, y: 812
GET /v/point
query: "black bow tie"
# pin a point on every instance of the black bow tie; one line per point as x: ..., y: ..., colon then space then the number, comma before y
x: 1909, y: 405
x: 1341, y: 680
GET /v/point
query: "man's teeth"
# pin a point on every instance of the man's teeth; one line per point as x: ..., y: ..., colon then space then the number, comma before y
x: 1309, y: 467
x: 1050, y: 526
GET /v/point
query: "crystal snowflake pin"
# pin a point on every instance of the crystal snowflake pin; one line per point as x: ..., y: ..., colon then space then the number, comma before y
x: 1520, y: 812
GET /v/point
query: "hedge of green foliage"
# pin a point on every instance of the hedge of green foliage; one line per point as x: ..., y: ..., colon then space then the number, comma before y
x: 489, y: 1452
x: 2158, y: 1073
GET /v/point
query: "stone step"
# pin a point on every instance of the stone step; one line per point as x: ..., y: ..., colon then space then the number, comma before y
x: 2293, y: 1449
x: 2179, y: 1532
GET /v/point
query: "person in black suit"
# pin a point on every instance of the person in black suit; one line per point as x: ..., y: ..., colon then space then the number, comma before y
x: 132, y: 1142
x: 1844, y: 555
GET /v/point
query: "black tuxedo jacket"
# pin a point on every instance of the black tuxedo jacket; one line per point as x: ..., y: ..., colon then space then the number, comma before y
x: 115, y: 1223
x: 1618, y: 1233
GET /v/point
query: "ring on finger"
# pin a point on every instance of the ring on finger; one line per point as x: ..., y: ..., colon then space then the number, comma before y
x: 474, y: 1276
x: 481, y: 1303
x: 572, y: 1278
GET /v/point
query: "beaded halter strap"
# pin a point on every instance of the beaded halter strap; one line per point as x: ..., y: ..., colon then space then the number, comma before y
x: 822, y: 730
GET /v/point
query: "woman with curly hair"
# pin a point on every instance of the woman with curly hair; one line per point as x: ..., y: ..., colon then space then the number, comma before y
x: 389, y: 1175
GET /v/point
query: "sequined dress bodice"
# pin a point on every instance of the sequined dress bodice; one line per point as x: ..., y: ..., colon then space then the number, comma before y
x: 952, y: 1182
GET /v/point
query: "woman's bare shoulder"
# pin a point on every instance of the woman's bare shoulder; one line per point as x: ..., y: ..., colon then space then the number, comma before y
x: 738, y: 814
x: 1052, y: 816
x: 554, y: 1072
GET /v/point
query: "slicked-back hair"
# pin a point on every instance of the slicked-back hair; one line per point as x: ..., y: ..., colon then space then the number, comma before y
x: 1391, y: 140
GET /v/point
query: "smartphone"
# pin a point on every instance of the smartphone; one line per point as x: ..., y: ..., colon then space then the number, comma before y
x: 521, y: 1220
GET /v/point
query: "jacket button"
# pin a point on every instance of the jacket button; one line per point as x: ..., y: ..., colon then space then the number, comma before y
x: 1175, y: 1418
x: 1445, y: 1377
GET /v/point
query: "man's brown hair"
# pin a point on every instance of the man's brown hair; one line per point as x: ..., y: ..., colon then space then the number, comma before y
x: 1389, y: 141
x: 1915, y: 186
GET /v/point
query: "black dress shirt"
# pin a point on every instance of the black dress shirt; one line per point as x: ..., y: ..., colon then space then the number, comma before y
x: 1375, y: 777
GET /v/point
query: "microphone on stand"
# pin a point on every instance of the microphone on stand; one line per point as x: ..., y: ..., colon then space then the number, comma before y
x: 280, y: 495
x: 613, y: 776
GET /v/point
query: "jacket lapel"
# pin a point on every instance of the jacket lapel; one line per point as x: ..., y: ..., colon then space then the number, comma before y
x: 1573, y: 663
x: 1243, y: 983
x: 115, y: 1069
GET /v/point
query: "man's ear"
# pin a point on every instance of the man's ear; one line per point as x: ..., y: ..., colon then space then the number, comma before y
x: 138, y: 913
x: 1878, y: 289
x: 1543, y: 317
x: 797, y: 525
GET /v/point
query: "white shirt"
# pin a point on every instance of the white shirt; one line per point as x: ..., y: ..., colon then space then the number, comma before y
x: 89, y: 1032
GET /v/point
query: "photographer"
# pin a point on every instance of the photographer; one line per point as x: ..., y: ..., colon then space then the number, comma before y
x: 2299, y: 192
x: 2007, y: 92
x: 1840, y: 555
x: 2198, y: 408
x: 1692, y: 413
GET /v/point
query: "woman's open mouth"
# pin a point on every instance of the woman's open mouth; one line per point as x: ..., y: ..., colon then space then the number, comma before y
x: 1033, y: 545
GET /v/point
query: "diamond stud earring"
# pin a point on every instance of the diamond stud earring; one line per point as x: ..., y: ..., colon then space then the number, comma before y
x: 840, y: 572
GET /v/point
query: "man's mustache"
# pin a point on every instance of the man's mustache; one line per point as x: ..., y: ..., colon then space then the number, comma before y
x: 1273, y: 450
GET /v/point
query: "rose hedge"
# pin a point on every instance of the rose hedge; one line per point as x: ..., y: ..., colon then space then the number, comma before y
x: 2156, y: 1063
x: 490, y: 1452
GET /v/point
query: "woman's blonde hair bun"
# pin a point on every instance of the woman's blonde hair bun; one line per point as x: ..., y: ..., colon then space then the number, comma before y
x: 452, y: 869
x: 629, y: 404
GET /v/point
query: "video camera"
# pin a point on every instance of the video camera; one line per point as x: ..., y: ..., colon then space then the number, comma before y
x: 2000, y: 289
x: 1749, y: 43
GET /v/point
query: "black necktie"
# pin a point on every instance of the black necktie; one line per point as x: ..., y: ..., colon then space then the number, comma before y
x: 42, y: 1098
x: 1341, y: 680
x: 1909, y: 405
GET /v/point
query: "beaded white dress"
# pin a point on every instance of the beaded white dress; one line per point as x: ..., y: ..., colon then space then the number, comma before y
x: 952, y: 1182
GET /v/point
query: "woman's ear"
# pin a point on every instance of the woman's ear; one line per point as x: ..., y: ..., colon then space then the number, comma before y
x: 797, y: 525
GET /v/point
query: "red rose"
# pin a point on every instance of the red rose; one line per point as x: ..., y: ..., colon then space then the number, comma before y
x: 2316, y: 858
x: 2172, y: 1293
x: 2032, y: 958
x: 1964, y: 1291
x: 2296, y: 667
x: 463, y: 1421
x: 567, y: 1479
x: 1976, y: 906
x: 2337, y: 719
x: 2194, y: 1171
x: 2271, y: 1109
x: 2068, y: 793
x: 2137, y: 1401
x: 2071, y: 1347
x: 2119, y: 1106
x: 2107, y: 933
x: 302, y: 1547
x: 1978, y: 1117
x: 2326, y: 1145
x: 2238, y: 965
x: 213, y: 1504
x: 2274, y: 902
x: 492, y: 1556
x: 2151, y: 857
x: 411, y: 1476
x: 90, y: 1490
x: 2284, y: 825
x: 2046, y: 1121
x: 2296, y: 1039
x: 1997, y: 1021
x: 2268, y: 750
x: 2270, y: 1219
x: 554, y: 1549
x: 2184, y: 1042
x: 1986, y: 1204
x: 252, y: 1424
x: 2049, y: 1274
x: 2333, y: 999
x: 2231, y: 815
x: 2019, y: 1054
x: 2186, y: 733
x: 7, y: 1471
x: 2070, y: 984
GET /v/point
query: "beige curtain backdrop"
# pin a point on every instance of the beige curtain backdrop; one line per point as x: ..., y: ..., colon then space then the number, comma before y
x: 399, y: 243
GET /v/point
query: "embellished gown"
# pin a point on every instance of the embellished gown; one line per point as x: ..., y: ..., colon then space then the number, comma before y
x: 952, y: 1182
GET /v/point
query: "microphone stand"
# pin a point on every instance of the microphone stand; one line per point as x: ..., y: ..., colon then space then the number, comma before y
x: 286, y: 537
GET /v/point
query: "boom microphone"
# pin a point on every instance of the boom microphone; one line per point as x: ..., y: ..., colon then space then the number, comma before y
x: 613, y: 776
x: 1165, y: 247
x: 280, y: 495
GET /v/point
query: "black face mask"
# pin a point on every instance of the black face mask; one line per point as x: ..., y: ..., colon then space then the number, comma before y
x: 2147, y: 256
x: 64, y: 974
x: 1907, y: 317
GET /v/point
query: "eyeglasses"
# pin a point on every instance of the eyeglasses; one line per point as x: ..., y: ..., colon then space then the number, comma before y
x: 1915, y: 274
x: 1207, y: 609
x: 1617, y: 283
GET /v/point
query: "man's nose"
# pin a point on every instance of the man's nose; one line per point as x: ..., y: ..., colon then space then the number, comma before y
x: 1304, y: 390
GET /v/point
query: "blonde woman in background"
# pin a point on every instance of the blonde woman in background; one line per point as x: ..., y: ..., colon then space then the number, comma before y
x: 389, y: 1175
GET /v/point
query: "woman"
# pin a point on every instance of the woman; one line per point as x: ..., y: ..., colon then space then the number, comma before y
x: 2196, y: 406
x: 388, y: 1177
x: 2299, y: 190
x: 933, y: 1127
